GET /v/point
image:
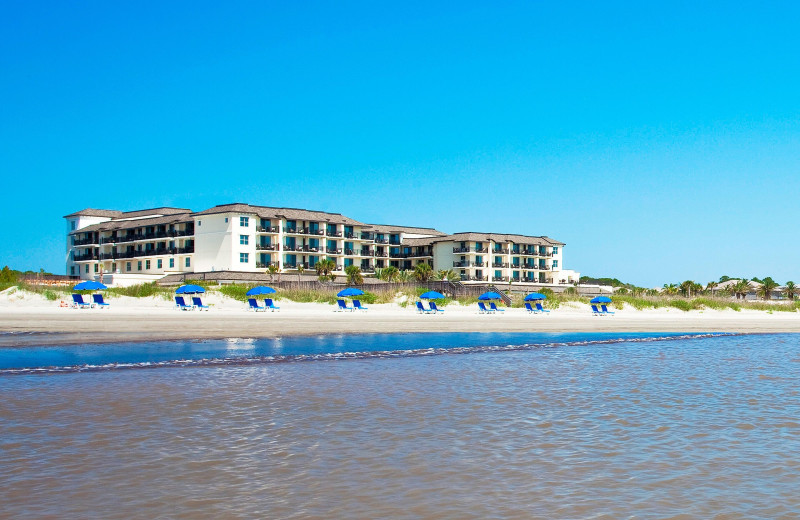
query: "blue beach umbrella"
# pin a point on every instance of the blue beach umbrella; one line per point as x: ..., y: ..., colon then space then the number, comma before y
x: 432, y: 295
x: 259, y: 290
x: 491, y: 295
x: 535, y: 296
x: 600, y: 299
x: 89, y: 285
x: 190, y: 289
x: 350, y: 291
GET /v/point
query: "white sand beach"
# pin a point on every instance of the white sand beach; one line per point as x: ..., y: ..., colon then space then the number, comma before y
x: 29, y: 319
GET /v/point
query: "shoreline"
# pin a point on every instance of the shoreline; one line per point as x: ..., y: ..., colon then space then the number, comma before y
x: 42, y: 323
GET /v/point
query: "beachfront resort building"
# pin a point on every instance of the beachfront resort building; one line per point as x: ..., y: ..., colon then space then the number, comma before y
x: 136, y: 246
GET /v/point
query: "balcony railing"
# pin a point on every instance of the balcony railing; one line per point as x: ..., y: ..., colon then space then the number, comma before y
x: 309, y: 249
x: 332, y: 233
x: 349, y: 235
x: 499, y: 264
x: 500, y: 251
x: 367, y: 236
x: 349, y: 252
x: 394, y: 242
x: 84, y: 258
x: 267, y: 229
x: 263, y: 265
x: 366, y: 252
x: 382, y: 255
x: 334, y: 251
x: 85, y: 241
x: 460, y: 264
x: 461, y: 250
x: 381, y: 240
x: 265, y: 247
x: 499, y: 278
x: 481, y: 250
x: 291, y: 248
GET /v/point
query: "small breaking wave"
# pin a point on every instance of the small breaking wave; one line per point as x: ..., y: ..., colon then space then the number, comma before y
x: 344, y: 356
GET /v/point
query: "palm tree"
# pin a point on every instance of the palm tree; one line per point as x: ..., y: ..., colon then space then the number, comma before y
x: 325, y: 269
x: 272, y: 270
x: 710, y: 286
x: 687, y: 287
x: 354, y: 276
x: 791, y: 290
x: 423, y: 272
x: 389, y: 274
x: 670, y: 289
x: 741, y: 288
x: 767, y: 286
x: 404, y: 276
x: 300, y: 270
x: 447, y: 275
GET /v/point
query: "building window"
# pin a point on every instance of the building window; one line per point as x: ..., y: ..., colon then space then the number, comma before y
x: 226, y: 220
x: 95, y: 267
x: 147, y: 264
x: 555, y: 263
x: 188, y: 261
x: 127, y: 266
x: 159, y: 263
x: 244, y: 221
x: 172, y: 262
x: 139, y: 265
x: 87, y: 268
x: 555, y: 250
x: 244, y: 257
x: 73, y: 225
x: 244, y: 239
x: 72, y: 270
x: 199, y: 222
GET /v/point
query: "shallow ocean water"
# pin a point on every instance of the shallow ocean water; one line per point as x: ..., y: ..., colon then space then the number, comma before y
x: 681, y: 428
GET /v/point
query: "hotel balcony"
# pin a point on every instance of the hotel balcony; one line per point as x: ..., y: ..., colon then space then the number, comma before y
x: 382, y: 255
x: 481, y: 249
x: 266, y: 247
x: 381, y: 240
x: 292, y: 248
x: 308, y: 249
x: 367, y: 236
x: 85, y: 258
x: 460, y: 264
x: 267, y: 229
x: 500, y: 251
x: 85, y: 242
x: 333, y: 251
x: 332, y: 233
x: 499, y: 278
x: 262, y: 265
x: 499, y: 264
x: 461, y: 250
x: 367, y: 252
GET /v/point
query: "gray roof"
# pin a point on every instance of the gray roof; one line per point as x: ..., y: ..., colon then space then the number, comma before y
x: 118, y: 224
x: 287, y: 213
x: 389, y: 228
x: 89, y: 212
x: 416, y: 242
x: 498, y: 237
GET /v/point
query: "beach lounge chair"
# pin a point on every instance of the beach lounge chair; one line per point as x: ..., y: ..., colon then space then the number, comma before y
x: 530, y: 309
x: 483, y: 310
x: 197, y: 302
x: 357, y: 305
x: 342, y: 306
x: 596, y: 312
x: 540, y: 308
x: 606, y: 311
x: 422, y: 310
x: 495, y: 308
x: 180, y: 304
x: 98, y: 300
x: 77, y: 302
x: 271, y: 306
x: 434, y: 308
x: 254, y: 305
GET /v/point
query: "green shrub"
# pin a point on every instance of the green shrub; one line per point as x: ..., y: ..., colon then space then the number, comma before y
x: 235, y: 291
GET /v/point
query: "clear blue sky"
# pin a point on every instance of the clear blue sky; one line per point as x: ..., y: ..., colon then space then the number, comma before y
x: 659, y: 142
